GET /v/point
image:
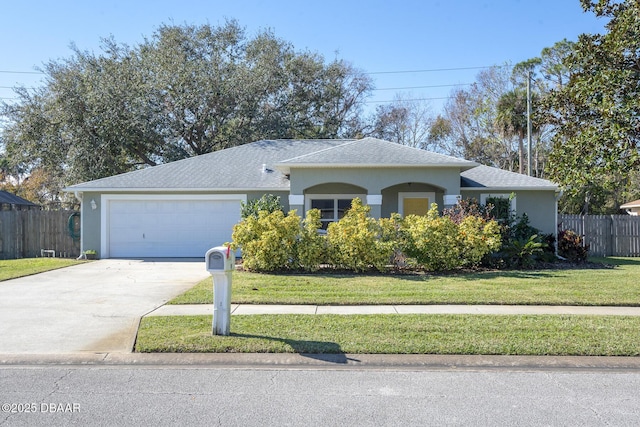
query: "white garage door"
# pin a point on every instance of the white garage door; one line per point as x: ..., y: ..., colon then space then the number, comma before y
x: 168, y: 228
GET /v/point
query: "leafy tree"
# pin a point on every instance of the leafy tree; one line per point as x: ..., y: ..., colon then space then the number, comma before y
x: 596, y: 113
x: 554, y: 70
x: 468, y: 129
x: 184, y: 91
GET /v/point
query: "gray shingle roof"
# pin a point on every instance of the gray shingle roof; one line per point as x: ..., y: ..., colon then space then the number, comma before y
x: 241, y: 168
x: 489, y: 177
x: 11, y: 199
x: 372, y: 152
x: 236, y: 168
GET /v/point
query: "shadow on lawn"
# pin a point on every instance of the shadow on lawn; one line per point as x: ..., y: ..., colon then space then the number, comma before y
x: 618, y: 261
x: 319, y: 350
x: 511, y: 274
x: 543, y: 271
x: 481, y: 275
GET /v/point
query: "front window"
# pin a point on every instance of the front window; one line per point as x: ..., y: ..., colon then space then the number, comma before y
x: 501, y: 208
x: 504, y: 205
x: 331, y: 210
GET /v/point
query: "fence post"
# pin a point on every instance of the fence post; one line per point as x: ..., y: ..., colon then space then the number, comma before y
x: 585, y: 239
x: 612, y: 238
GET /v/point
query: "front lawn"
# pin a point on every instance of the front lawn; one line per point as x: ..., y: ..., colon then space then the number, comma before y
x: 13, y: 268
x: 416, y: 334
x: 397, y: 334
x: 593, y: 286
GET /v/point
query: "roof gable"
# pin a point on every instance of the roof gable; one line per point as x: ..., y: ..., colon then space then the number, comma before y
x: 372, y: 152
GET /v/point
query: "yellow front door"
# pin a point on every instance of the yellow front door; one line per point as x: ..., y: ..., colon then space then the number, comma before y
x: 415, y: 206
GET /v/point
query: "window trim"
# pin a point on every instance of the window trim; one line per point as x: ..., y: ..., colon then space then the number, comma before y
x: 335, y: 197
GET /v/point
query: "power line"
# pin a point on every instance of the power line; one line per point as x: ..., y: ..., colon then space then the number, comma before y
x: 404, y: 100
x: 423, y: 87
x: 13, y: 87
x: 20, y: 72
x: 431, y: 70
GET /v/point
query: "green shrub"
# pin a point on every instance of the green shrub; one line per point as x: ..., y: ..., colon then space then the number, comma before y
x: 468, y: 207
x: 311, y: 248
x: 267, y: 202
x: 478, y: 237
x: 391, y: 239
x: 571, y: 246
x: 431, y: 240
x: 268, y: 242
x: 355, y: 241
x: 522, y: 245
x: 521, y: 253
x: 439, y: 243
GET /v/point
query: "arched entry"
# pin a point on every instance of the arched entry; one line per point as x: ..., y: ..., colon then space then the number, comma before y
x: 410, y: 198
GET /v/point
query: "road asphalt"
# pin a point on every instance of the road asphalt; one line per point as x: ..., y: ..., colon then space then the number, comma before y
x: 88, y: 314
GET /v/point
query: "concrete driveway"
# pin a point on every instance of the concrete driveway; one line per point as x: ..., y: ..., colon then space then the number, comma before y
x: 92, y: 307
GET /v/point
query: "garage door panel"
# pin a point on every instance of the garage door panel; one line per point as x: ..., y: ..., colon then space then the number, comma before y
x: 169, y: 228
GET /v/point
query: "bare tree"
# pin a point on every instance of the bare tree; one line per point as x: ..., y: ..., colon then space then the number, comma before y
x: 405, y: 121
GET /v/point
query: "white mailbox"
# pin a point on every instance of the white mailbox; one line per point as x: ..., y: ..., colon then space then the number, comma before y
x: 220, y: 259
x: 220, y: 262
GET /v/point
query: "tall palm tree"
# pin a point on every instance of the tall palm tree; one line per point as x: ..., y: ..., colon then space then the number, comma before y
x: 511, y: 119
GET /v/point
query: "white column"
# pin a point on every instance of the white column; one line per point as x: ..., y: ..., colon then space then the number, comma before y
x: 375, y: 202
x: 296, y: 201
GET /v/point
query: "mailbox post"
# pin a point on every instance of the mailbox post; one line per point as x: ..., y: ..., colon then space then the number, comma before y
x: 220, y: 262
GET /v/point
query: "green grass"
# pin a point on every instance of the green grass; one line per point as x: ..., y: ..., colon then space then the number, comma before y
x: 600, y: 286
x: 13, y: 268
x: 397, y: 334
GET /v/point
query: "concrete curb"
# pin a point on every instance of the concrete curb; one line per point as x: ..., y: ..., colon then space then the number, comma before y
x: 324, y: 361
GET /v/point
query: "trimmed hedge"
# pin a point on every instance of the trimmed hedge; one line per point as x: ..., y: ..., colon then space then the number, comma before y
x: 273, y: 241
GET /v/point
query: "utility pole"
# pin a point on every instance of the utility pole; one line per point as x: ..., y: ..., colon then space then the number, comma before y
x: 529, y: 122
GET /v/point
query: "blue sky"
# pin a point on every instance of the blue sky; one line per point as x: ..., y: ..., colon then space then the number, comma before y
x: 376, y: 36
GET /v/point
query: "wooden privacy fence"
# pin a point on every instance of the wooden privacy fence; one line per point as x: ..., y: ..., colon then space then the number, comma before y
x: 606, y: 235
x: 26, y: 234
